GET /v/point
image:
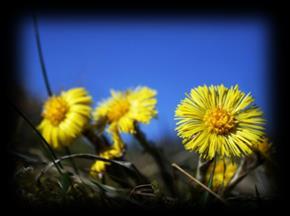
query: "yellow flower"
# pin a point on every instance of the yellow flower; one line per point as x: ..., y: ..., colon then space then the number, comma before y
x: 115, y: 151
x: 65, y: 116
x: 223, y: 173
x: 263, y: 147
x: 123, y: 109
x: 220, y: 121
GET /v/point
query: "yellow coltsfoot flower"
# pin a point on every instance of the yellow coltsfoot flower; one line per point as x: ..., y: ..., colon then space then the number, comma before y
x: 223, y: 173
x: 100, y: 166
x: 219, y: 121
x: 113, y: 152
x: 263, y: 147
x: 65, y: 116
x: 123, y: 109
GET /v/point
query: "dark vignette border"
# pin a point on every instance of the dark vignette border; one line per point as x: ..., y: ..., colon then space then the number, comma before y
x: 276, y: 14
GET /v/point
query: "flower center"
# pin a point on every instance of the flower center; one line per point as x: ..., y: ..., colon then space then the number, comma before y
x: 219, y: 121
x: 118, y: 109
x: 55, y: 110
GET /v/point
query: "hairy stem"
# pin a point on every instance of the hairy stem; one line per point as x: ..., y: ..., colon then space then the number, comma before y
x: 201, y: 169
x: 241, y: 175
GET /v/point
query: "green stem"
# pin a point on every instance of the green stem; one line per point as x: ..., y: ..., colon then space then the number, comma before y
x: 158, y: 157
x: 212, y: 173
x: 210, y: 181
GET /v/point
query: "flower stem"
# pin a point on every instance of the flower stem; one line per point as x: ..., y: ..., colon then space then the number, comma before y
x: 201, y: 169
x: 158, y: 157
x: 210, y: 181
x: 40, y: 55
x: 241, y: 174
x: 100, y: 142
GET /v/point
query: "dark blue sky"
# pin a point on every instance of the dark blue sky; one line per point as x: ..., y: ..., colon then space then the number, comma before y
x: 171, y: 56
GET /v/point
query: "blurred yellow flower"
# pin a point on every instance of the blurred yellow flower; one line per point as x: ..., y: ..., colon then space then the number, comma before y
x: 263, y: 147
x: 220, y: 121
x: 65, y: 116
x: 223, y: 173
x: 113, y: 152
x: 123, y: 109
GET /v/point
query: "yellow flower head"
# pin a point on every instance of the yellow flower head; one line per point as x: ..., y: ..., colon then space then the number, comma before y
x: 123, y: 109
x: 65, y: 116
x: 112, y: 152
x: 223, y: 173
x: 220, y: 121
x: 263, y: 147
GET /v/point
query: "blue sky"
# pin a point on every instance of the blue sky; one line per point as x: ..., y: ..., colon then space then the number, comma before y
x: 171, y: 56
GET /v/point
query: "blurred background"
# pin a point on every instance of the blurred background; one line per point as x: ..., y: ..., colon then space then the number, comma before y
x: 170, y: 55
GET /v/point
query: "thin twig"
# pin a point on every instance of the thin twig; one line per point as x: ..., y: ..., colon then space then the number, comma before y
x: 85, y: 156
x: 138, y: 187
x: 40, y: 55
x: 145, y: 194
x: 199, y: 183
